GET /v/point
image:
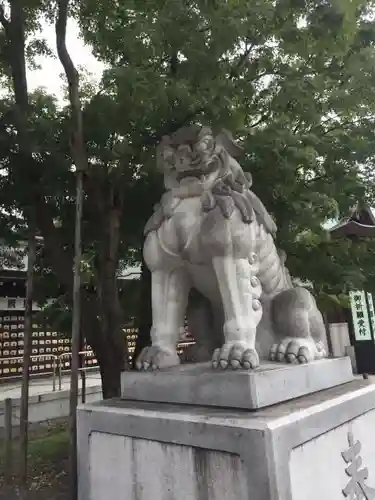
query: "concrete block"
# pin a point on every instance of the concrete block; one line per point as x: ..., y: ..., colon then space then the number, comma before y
x: 291, y: 451
x: 47, y: 406
x: 271, y: 383
x: 350, y: 352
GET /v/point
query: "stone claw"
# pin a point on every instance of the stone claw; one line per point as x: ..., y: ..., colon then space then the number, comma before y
x: 297, y: 351
x: 235, y: 356
x: 154, y: 358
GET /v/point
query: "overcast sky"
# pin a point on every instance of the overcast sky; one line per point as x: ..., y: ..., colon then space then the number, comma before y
x: 49, y: 76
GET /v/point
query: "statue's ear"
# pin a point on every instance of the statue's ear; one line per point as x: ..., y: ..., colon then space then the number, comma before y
x: 205, y: 131
x: 226, y: 139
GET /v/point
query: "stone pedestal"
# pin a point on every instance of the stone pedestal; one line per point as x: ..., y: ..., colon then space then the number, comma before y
x: 139, y: 450
x: 271, y: 383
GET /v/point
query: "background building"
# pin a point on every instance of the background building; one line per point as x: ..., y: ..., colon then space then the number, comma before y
x: 50, y: 349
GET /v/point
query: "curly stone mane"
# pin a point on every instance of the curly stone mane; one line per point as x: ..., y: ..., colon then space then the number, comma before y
x: 232, y: 190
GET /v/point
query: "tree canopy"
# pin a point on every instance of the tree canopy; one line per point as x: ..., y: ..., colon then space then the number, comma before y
x: 292, y: 79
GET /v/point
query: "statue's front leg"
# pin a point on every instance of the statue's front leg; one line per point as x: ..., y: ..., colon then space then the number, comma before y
x: 170, y: 291
x: 240, y: 291
x: 169, y: 295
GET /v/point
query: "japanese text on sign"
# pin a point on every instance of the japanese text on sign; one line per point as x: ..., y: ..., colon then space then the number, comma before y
x: 360, y: 315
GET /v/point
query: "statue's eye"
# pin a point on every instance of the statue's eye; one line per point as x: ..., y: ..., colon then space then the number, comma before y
x: 204, y: 145
x: 169, y: 157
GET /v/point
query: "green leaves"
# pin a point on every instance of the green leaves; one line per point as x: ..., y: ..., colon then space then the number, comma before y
x: 295, y: 79
x: 327, y: 302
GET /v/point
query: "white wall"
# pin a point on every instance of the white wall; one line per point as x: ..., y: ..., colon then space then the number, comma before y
x: 339, y: 333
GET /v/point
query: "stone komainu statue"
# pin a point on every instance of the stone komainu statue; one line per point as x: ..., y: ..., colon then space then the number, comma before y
x: 211, y: 233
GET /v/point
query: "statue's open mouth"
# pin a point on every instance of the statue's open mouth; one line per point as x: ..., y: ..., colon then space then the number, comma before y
x: 194, y: 172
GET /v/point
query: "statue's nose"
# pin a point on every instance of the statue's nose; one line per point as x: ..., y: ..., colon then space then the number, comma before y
x: 183, y: 162
x: 184, y: 150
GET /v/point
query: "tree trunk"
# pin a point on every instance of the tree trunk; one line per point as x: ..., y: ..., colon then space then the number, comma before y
x: 28, y: 332
x: 110, y: 371
x: 110, y: 357
x: 107, y: 346
x: 78, y: 150
x: 144, y: 313
x: 76, y: 338
x: 107, y: 288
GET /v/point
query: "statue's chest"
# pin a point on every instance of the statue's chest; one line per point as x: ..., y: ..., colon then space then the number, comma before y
x: 187, y: 219
x: 181, y: 232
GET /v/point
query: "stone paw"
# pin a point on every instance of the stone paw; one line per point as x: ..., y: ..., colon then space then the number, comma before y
x: 235, y: 356
x: 321, y: 350
x: 155, y: 358
x: 297, y: 351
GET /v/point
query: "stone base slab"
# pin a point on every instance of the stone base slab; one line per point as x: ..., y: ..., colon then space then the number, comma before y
x: 271, y: 383
x: 292, y: 451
